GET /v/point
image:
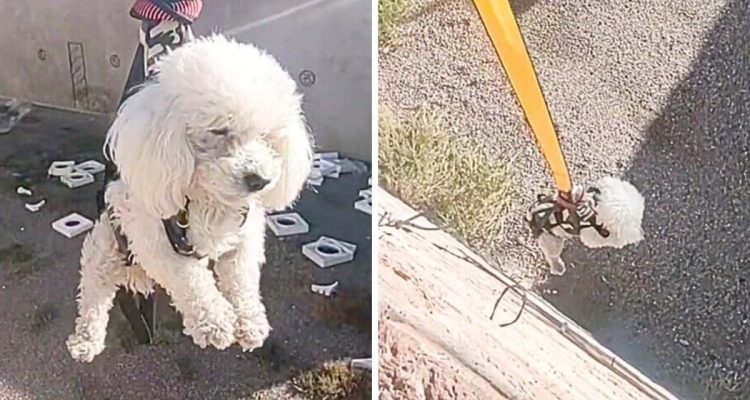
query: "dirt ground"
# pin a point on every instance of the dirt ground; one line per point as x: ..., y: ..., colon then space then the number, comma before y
x: 655, y: 92
x: 39, y: 275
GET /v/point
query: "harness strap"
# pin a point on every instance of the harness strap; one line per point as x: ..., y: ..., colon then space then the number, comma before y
x: 176, y: 229
x: 550, y: 213
x: 122, y: 240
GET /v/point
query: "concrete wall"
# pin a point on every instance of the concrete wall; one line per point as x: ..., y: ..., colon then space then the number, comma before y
x: 34, y: 56
x: 330, y: 38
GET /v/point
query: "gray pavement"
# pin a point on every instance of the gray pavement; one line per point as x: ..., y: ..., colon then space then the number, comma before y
x: 653, y: 91
x: 39, y: 275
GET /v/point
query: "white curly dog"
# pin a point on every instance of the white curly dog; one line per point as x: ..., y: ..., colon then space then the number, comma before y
x: 220, y: 126
x: 606, y: 214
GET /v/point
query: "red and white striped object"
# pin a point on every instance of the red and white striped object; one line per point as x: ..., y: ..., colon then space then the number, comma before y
x: 147, y: 10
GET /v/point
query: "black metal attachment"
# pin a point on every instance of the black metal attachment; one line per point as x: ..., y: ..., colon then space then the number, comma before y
x: 138, y: 309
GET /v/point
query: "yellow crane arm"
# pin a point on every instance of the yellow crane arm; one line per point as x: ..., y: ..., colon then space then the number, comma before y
x: 502, y: 28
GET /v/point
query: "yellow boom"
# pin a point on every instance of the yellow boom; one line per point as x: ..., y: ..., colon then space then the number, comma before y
x: 502, y: 28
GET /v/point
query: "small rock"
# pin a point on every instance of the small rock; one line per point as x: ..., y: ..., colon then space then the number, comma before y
x: 36, y: 206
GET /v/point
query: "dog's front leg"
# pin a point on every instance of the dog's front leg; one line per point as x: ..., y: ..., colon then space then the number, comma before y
x: 206, y: 315
x: 239, y: 281
x: 100, y: 260
x: 552, y: 247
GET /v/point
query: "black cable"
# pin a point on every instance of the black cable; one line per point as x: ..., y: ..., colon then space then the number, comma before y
x: 522, y: 293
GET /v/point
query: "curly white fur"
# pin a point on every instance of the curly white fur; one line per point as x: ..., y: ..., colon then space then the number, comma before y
x: 619, y: 209
x: 219, y: 117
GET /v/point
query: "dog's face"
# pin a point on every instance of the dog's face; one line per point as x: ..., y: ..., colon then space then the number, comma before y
x: 619, y: 208
x: 220, y: 117
x: 233, y: 162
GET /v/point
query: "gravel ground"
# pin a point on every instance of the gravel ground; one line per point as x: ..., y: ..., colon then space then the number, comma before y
x: 39, y: 275
x: 652, y: 91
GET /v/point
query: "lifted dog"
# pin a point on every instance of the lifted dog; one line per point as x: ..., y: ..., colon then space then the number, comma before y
x: 608, y: 214
x: 203, y: 151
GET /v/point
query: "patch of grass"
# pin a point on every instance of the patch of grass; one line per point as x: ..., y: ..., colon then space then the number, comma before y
x: 390, y: 13
x: 727, y: 387
x: 436, y: 173
x: 333, y: 381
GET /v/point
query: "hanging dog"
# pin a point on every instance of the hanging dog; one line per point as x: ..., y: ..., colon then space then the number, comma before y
x: 204, y: 149
x: 608, y: 213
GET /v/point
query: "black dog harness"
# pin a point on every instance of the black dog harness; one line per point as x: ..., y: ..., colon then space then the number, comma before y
x: 551, y: 212
x: 175, y: 228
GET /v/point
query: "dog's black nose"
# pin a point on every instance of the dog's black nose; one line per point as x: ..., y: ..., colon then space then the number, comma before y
x: 255, y: 182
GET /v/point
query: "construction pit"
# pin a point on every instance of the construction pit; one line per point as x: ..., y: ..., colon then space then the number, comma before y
x: 39, y: 277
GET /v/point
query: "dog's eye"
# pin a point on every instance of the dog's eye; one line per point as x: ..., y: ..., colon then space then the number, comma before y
x: 219, y: 131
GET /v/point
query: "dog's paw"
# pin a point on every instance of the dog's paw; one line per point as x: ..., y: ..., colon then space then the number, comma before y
x: 217, y: 334
x: 252, y: 332
x: 216, y: 329
x: 83, y: 350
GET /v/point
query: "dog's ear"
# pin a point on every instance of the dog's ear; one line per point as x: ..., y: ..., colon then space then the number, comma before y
x: 149, y: 145
x: 294, y: 144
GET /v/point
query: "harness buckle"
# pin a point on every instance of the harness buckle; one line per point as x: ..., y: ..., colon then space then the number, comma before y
x: 177, y: 235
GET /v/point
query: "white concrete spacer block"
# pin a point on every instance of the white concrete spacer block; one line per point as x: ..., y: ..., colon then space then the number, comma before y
x: 322, y: 169
x: 72, y: 225
x: 325, y: 167
x: 77, y: 179
x: 90, y: 166
x: 315, y: 181
x: 364, y: 205
x: 335, y: 173
x: 60, y: 168
x: 325, y: 290
x: 362, y: 363
x: 23, y: 191
x: 287, y: 224
x: 315, y: 173
x: 14, y: 112
x: 327, y: 252
x: 365, y: 193
x: 331, y: 155
x: 36, y: 206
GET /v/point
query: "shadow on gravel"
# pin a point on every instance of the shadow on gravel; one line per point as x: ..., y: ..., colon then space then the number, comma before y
x: 678, y: 305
